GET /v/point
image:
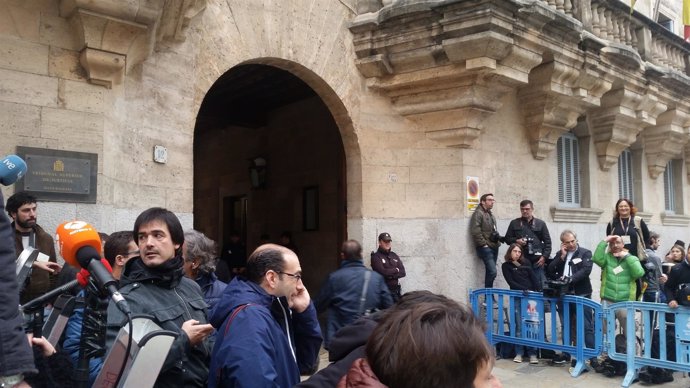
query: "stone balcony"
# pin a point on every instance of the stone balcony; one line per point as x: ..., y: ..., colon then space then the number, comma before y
x: 445, y: 64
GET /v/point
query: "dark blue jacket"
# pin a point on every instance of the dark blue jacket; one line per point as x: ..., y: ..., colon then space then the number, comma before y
x: 266, y: 344
x: 212, y: 289
x: 341, y: 295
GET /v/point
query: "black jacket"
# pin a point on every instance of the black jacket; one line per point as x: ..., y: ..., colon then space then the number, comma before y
x: 581, y: 267
x: 346, y: 346
x: 536, y: 229
x: 16, y: 356
x: 171, y: 299
x: 520, y: 277
x: 389, y: 265
x: 680, y: 274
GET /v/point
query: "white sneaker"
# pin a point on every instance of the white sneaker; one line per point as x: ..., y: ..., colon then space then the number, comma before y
x: 518, y: 359
x: 533, y: 360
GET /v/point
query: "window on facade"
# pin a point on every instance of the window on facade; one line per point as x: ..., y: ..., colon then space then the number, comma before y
x: 625, y: 175
x: 665, y: 21
x: 568, y: 171
x: 669, y: 191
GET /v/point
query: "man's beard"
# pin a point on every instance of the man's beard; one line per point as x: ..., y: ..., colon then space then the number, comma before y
x: 26, y: 224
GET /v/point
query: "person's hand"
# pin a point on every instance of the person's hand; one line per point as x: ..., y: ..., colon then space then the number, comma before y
x: 563, y: 252
x: 541, y: 261
x: 23, y: 384
x: 47, y: 266
x: 300, y: 301
x: 611, y: 238
x: 196, y: 332
x: 663, y: 278
x: 42, y: 343
x: 673, y: 304
x: 521, y: 241
x: 525, y: 292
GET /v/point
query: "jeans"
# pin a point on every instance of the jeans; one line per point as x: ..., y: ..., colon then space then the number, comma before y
x: 488, y: 257
x: 539, y: 272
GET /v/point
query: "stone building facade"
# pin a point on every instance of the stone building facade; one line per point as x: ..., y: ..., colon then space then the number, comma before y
x: 344, y: 119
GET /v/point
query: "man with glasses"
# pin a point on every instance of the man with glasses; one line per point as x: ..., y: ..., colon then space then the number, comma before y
x: 388, y: 264
x: 118, y: 249
x: 268, y: 331
x: 533, y: 237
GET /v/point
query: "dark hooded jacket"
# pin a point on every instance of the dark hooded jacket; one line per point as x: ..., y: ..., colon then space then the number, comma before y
x: 346, y: 346
x: 263, y: 343
x: 171, y: 299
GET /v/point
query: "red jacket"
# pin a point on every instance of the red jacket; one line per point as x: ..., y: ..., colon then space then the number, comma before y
x: 360, y: 375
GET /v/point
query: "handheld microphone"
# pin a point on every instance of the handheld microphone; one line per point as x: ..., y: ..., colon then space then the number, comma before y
x: 80, y: 245
x: 12, y: 169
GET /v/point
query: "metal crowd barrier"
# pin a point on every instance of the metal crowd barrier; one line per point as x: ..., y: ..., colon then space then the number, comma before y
x: 526, y: 320
x: 653, y: 320
x: 532, y: 329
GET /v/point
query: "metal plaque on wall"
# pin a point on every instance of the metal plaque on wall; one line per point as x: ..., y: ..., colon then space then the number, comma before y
x: 62, y: 176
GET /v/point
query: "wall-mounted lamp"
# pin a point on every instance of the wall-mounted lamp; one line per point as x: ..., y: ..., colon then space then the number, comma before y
x: 257, y: 173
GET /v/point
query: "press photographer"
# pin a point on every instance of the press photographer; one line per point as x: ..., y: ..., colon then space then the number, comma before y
x: 532, y: 235
x: 571, y: 267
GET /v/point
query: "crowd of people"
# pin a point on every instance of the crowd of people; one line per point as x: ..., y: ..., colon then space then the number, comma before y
x: 259, y: 329
x: 255, y: 324
x: 631, y: 268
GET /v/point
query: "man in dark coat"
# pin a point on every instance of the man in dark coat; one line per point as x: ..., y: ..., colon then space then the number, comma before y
x: 154, y: 284
x: 16, y: 356
x: 573, y: 264
x: 533, y: 237
x: 351, y: 291
x: 388, y: 264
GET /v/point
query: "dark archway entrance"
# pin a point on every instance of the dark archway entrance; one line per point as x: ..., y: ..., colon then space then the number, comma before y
x: 269, y: 158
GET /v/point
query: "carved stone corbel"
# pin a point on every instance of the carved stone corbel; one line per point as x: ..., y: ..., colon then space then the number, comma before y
x: 665, y: 140
x: 117, y: 35
x: 557, y: 94
x: 615, y: 124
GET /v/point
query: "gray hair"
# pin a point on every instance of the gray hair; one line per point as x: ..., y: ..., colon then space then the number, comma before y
x: 202, y: 248
x: 568, y: 231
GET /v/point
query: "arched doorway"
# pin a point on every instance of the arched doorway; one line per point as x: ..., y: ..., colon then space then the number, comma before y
x: 269, y: 158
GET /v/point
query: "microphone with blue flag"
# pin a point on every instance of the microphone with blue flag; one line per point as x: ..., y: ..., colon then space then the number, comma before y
x: 12, y: 169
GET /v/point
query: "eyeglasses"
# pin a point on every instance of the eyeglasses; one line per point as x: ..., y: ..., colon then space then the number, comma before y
x: 297, y: 277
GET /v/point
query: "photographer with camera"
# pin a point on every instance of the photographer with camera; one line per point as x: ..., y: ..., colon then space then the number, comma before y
x: 572, y: 265
x: 485, y: 236
x: 677, y: 292
x: 532, y: 235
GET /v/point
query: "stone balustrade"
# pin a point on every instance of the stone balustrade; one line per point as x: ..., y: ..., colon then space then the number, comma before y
x: 446, y: 64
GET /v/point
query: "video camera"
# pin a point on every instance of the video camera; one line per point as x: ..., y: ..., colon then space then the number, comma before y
x: 496, y: 237
x: 556, y: 288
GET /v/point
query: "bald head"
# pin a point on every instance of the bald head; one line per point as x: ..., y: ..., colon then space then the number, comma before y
x: 264, y: 258
x: 351, y: 250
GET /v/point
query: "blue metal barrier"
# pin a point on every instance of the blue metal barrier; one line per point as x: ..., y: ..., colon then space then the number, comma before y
x: 650, y: 313
x: 532, y: 331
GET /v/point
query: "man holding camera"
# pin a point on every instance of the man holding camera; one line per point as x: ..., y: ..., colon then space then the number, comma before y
x: 533, y: 236
x: 485, y: 236
x: 572, y: 265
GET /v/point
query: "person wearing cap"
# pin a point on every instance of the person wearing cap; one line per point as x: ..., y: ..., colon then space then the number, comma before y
x: 388, y: 264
